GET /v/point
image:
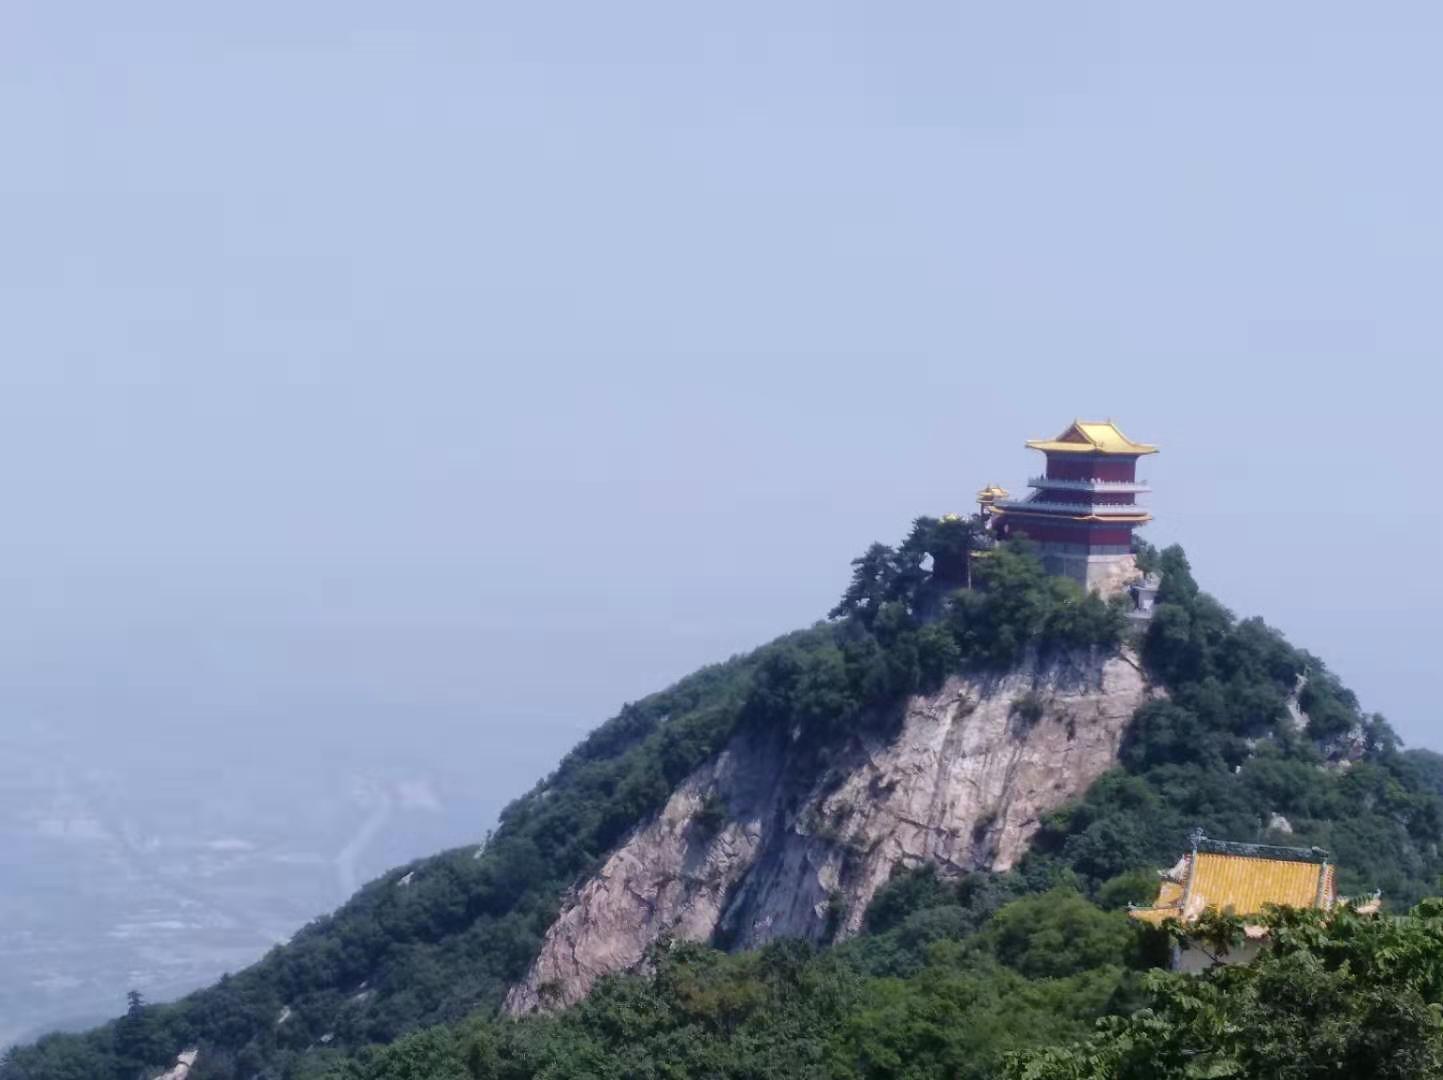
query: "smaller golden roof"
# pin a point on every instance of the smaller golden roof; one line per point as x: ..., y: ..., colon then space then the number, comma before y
x: 1241, y: 879
x: 1092, y: 437
x: 992, y: 492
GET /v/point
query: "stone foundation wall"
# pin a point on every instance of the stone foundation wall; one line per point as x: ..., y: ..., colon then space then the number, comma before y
x: 1109, y: 575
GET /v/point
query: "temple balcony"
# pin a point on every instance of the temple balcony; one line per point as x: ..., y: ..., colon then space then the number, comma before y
x: 1077, y: 509
x: 1111, y: 486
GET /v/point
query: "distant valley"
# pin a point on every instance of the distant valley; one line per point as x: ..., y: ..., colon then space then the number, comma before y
x: 117, y: 875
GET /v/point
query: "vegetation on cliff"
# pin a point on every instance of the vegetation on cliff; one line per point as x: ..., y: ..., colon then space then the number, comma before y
x: 1223, y: 752
x: 948, y: 977
x: 940, y: 990
x: 948, y: 992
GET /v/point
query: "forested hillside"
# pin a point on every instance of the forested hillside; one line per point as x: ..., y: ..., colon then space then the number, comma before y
x: 946, y: 982
x: 1046, y: 987
x: 950, y: 975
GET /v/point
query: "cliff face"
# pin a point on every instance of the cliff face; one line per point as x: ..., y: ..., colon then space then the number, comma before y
x: 755, y: 846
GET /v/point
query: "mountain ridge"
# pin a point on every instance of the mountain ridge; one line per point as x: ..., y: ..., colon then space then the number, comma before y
x: 1220, y: 750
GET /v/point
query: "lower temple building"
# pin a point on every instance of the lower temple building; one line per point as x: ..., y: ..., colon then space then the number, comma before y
x: 1240, y: 879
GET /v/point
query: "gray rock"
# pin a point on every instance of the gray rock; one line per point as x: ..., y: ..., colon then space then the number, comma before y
x: 963, y: 786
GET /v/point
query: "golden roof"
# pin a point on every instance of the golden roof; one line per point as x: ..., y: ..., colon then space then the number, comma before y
x: 1241, y: 884
x: 1092, y: 437
x: 992, y: 491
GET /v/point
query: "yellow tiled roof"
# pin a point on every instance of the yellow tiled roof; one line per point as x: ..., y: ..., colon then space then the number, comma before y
x: 1092, y: 437
x: 1242, y: 884
x: 1246, y: 884
x: 1168, y: 905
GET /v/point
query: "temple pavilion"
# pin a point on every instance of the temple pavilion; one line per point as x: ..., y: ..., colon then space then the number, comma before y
x: 1241, y: 879
x: 987, y: 499
x: 1083, y: 508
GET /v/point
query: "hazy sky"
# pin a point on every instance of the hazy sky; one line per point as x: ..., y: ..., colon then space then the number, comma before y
x: 435, y: 377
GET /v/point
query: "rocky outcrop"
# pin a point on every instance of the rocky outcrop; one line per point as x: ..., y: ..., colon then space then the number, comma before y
x: 759, y: 843
x: 1340, y: 751
x: 184, y: 1062
x: 1116, y: 576
x: 1297, y: 718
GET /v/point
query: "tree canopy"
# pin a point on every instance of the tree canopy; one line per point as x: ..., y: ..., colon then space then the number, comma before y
x: 1334, y: 998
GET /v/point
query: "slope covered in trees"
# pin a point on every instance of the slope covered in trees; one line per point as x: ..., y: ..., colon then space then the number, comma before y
x: 937, y: 988
x: 1049, y: 987
x: 1222, y: 752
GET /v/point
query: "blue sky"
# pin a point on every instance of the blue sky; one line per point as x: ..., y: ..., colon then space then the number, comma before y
x: 442, y: 375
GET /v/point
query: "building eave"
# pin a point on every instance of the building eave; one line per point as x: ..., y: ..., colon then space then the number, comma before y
x: 1054, y: 446
x: 1091, y: 519
x: 1100, y: 438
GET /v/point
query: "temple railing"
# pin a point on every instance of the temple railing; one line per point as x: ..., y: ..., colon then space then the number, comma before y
x: 1088, y: 485
x: 1097, y: 509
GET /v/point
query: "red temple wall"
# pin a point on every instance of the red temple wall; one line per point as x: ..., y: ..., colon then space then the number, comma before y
x: 1071, y: 533
x: 1114, y: 535
x: 1072, y: 467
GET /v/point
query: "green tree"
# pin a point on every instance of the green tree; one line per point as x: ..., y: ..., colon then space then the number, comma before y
x: 139, y: 1040
x: 1348, y: 999
x: 874, y: 577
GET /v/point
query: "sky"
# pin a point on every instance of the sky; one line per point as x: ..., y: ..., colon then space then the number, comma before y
x: 429, y: 379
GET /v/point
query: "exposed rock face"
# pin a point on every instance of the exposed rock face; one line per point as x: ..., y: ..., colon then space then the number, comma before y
x: 1340, y: 751
x: 1113, y: 577
x: 755, y: 846
x: 184, y: 1062
x: 1297, y: 718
